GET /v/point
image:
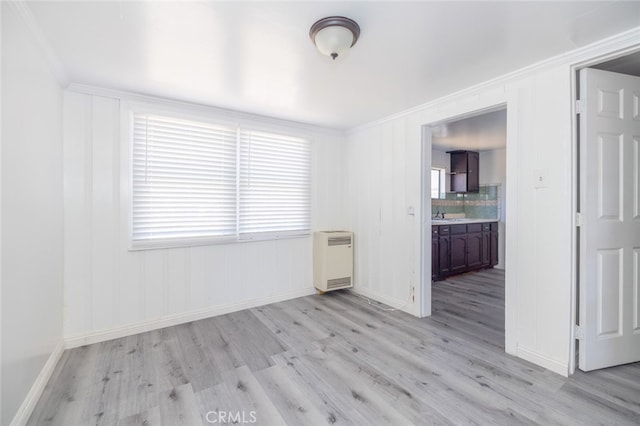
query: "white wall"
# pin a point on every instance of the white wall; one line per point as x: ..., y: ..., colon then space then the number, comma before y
x: 382, y: 181
x: 32, y: 206
x: 111, y: 291
x: 384, y: 178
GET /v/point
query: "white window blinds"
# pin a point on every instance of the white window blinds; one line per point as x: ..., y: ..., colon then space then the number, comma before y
x: 184, y: 179
x: 195, y: 181
x: 275, y: 181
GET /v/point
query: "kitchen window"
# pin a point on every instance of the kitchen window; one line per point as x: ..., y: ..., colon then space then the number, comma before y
x: 196, y: 182
x: 437, y: 182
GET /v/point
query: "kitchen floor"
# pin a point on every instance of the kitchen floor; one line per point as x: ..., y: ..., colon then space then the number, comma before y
x: 337, y: 359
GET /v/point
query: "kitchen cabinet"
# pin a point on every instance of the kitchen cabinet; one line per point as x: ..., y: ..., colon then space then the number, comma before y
x: 486, y: 245
x: 474, y: 246
x: 494, y: 244
x: 460, y: 248
x: 444, y: 251
x: 464, y: 173
x: 435, y: 252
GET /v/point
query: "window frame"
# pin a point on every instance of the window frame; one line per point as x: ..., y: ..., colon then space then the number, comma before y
x: 218, y: 118
x: 441, y: 182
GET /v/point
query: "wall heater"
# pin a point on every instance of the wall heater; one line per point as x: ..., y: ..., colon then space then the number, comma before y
x: 332, y: 260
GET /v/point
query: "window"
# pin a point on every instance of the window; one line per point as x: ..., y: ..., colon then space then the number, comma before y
x: 195, y: 182
x: 436, y: 183
x: 274, y: 183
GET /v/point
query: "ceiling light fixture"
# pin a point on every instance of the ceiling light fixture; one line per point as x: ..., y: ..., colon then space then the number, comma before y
x: 334, y: 35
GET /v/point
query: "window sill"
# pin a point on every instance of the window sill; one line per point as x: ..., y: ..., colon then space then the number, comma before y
x: 208, y: 241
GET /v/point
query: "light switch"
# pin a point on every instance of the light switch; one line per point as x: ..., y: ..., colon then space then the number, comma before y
x: 411, y: 211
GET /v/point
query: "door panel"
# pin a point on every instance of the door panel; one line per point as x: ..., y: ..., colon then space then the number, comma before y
x: 435, y: 258
x: 610, y: 169
x: 458, y: 253
x: 610, y: 232
x: 609, y: 293
x: 444, y: 258
x: 494, y: 248
x: 486, y: 248
x: 474, y: 250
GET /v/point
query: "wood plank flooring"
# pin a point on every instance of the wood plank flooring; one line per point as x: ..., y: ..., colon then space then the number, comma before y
x: 334, y: 359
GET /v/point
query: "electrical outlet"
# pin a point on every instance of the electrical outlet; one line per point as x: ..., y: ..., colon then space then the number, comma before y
x: 541, y: 178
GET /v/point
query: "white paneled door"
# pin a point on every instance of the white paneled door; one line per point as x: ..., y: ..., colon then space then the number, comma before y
x: 610, y: 232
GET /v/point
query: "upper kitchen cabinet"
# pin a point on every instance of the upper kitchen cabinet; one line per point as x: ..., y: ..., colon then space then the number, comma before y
x: 464, y: 171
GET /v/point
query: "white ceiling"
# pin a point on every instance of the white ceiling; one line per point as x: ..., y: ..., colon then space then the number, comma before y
x: 257, y: 56
x: 483, y: 132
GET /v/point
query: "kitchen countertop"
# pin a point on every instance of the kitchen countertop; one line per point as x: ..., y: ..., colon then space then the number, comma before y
x: 460, y: 221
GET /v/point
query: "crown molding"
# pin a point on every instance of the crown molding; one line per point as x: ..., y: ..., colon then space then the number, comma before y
x: 55, y: 65
x: 604, y: 49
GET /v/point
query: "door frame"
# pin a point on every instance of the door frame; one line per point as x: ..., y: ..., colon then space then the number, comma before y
x: 575, y: 185
x: 509, y: 102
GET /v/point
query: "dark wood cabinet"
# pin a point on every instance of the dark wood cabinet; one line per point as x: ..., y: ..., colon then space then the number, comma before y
x: 474, y: 250
x: 435, y: 254
x: 444, y: 251
x: 486, y: 248
x: 464, y: 172
x: 494, y: 245
x: 458, y: 254
x: 460, y: 248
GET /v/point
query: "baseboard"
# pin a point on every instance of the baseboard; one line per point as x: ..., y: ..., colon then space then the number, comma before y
x: 170, y: 320
x: 543, y: 361
x: 401, y: 305
x: 30, y: 401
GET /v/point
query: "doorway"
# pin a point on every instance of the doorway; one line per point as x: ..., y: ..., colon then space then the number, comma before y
x: 485, y: 133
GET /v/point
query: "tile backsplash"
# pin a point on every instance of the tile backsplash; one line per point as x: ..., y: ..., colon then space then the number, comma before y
x: 484, y: 204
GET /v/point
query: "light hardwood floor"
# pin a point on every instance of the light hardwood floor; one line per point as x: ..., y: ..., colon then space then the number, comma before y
x: 331, y: 359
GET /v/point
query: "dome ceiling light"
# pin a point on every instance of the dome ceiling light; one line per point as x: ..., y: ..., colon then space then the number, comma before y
x: 334, y: 35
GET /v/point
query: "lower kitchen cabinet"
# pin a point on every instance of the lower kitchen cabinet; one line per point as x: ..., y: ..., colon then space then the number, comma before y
x: 486, y: 249
x: 435, y: 255
x: 474, y: 246
x: 460, y: 248
x: 458, y: 254
x: 494, y: 244
x: 444, y: 255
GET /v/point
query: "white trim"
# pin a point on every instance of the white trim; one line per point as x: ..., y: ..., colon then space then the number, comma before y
x: 616, y: 42
x: 574, y: 232
x: 30, y: 401
x: 171, y: 320
x: 56, y: 67
x: 547, y: 362
x: 238, y: 117
x: 510, y: 220
x: 426, y: 164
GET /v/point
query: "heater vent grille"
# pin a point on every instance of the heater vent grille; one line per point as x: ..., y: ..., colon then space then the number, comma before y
x: 332, y: 260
